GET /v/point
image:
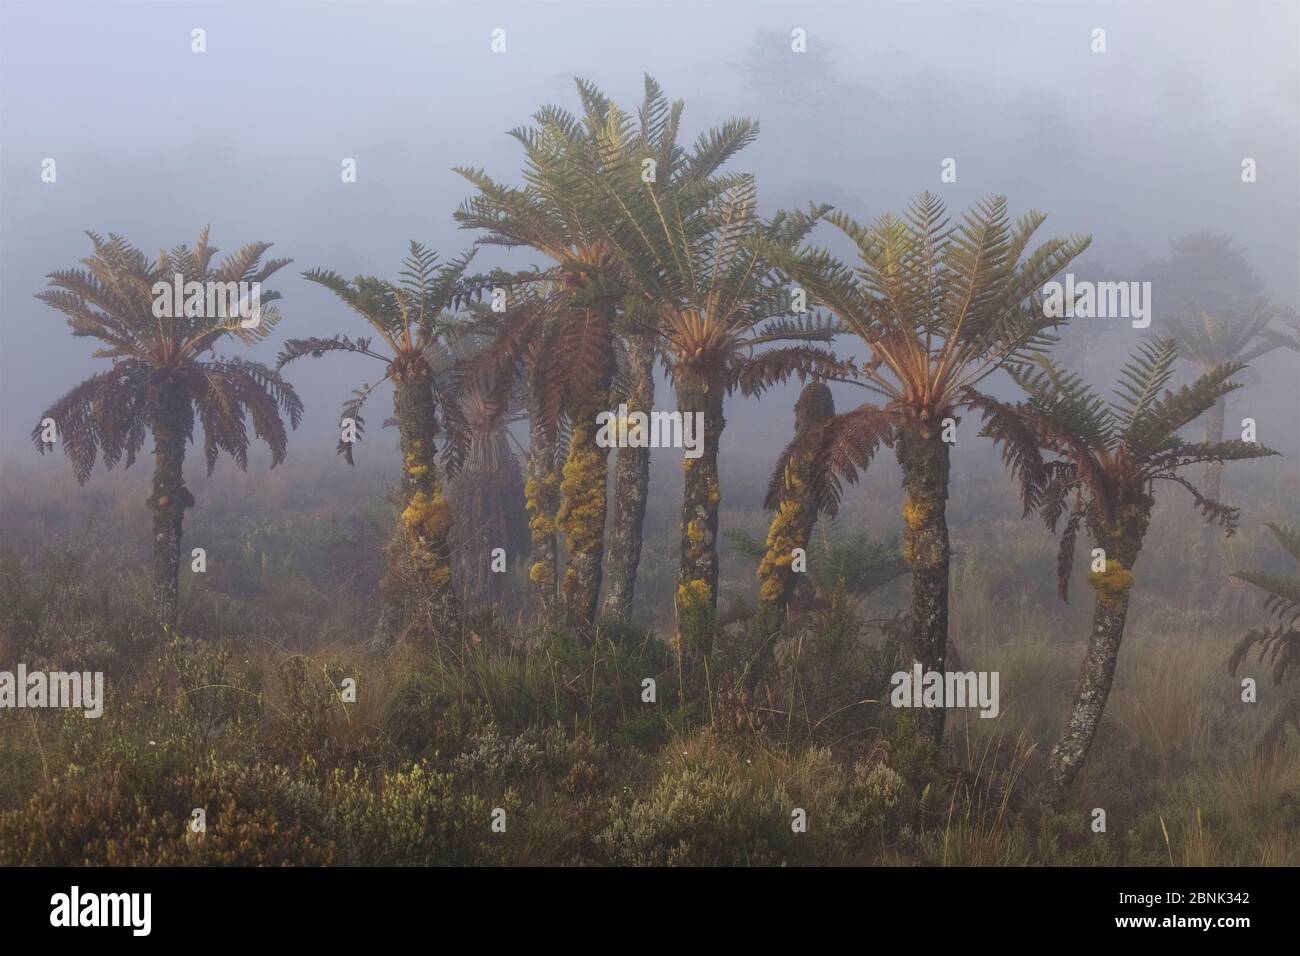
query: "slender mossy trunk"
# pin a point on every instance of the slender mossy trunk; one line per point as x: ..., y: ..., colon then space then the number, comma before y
x: 792, y: 525
x: 923, y: 457
x: 173, y: 422
x: 1211, y: 486
x: 1121, y: 539
x: 631, y: 487
x: 581, y: 517
x: 542, y: 496
x: 419, y: 576
x: 697, y: 578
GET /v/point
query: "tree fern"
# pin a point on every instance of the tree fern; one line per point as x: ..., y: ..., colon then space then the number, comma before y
x: 1279, y: 645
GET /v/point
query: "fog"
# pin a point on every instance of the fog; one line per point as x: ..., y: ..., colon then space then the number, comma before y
x: 1136, y: 146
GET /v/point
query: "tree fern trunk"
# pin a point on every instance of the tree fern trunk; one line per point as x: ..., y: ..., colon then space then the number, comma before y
x: 173, y: 422
x: 924, y: 461
x: 581, y: 517
x: 631, y: 487
x: 697, y: 580
x: 793, y: 522
x: 1110, y: 610
x: 542, y: 496
x: 419, y: 577
x: 487, y: 502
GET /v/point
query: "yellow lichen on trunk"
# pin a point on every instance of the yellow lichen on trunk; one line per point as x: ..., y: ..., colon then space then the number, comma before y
x: 582, y: 509
x: 425, y: 522
x: 541, y: 574
x: 427, y: 517
x: 541, y: 495
x: 693, y: 595
x: 787, y: 532
x: 539, y: 490
x: 581, y: 517
x: 694, y: 618
x: 796, y: 509
x: 1113, y: 584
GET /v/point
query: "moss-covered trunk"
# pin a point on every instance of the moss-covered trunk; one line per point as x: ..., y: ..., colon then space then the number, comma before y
x: 697, y: 577
x: 923, y: 457
x: 631, y: 487
x: 581, y: 517
x: 173, y: 423
x: 542, y: 496
x: 796, y: 514
x: 419, y: 576
x: 1122, y: 540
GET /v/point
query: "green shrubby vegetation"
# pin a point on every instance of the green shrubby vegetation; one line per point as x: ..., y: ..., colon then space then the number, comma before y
x: 554, y: 731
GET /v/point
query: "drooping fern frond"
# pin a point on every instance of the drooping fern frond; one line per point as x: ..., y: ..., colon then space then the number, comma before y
x: 1021, y: 454
x: 846, y: 445
x: 113, y: 299
x: 295, y: 349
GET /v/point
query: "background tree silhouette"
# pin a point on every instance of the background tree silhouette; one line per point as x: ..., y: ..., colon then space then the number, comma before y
x: 1209, y: 339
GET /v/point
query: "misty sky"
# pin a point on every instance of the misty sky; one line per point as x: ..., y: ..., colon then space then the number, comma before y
x: 1136, y: 145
